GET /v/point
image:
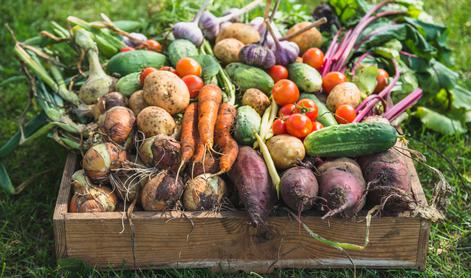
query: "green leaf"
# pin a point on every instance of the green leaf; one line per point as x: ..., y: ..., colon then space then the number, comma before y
x: 438, y: 122
x: 5, y: 182
x: 349, y: 11
x: 365, y: 79
x: 461, y: 98
x: 389, y: 50
x: 210, y: 66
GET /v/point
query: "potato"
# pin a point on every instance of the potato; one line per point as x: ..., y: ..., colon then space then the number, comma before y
x: 256, y: 99
x: 306, y: 40
x: 165, y: 89
x: 239, y: 31
x: 344, y: 93
x: 154, y: 120
x: 285, y: 151
x: 137, y: 102
x: 228, y: 50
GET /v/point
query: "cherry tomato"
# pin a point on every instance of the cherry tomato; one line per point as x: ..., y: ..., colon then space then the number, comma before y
x: 187, y: 66
x: 126, y: 49
x: 345, y: 114
x: 194, y: 84
x: 332, y: 79
x: 144, y: 73
x: 316, y: 126
x: 152, y: 45
x: 286, y: 110
x: 308, y: 107
x: 314, y: 57
x: 278, y: 72
x: 167, y: 68
x: 298, y: 125
x: 285, y: 92
x: 382, y: 80
x: 279, y: 127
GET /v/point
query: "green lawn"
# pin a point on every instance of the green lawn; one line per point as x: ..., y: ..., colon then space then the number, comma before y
x: 26, y: 235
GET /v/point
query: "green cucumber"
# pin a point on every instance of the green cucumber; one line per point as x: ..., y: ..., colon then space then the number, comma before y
x: 324, y: 117
x: 351, y: 140
x: 307, y: 78
x: 246, y: 125
x: 128, y: 84
x: 180, y: 49
x: 128, y: 62
x: 246, y: 77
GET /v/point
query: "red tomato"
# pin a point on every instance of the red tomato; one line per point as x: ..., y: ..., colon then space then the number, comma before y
x: 345, y: 114
x: 187, y: 66
x: 298, y: 125
x: 332, y: 79
x: 286, y: 110
x: 308, y: 107
x: 285, y: 92
x: 278, y: 127
x: 316, y: 126
x: 314, y: 57
x: 144, y: 73
x: 194, y: 84
x: 152, y: 45
x: 278, y: 72
x: 126, y: 49
x: 382, y: 80
x: 167, y: 68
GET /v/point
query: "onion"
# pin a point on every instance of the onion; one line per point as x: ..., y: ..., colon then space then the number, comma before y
x: 209, y: 165
x: 205, y: 192
x: 100, y: 159
x: 124, y: 186
x: 117, y: 123
x: 145, y: 151
x: 161, y: 192
x: 137, y: 102
x: 166, y: 153
x: 106, y: 102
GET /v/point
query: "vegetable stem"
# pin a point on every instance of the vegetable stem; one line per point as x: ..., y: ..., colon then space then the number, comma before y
x: 252, y: 5
x: 201, y: 10
x: 275, y: 178
x: 403, y: 105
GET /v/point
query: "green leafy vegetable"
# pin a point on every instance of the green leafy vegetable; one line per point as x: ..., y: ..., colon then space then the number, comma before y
x: 365, y: 79
x: 438, y: 122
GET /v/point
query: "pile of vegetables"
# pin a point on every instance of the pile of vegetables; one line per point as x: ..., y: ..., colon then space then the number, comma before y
x: 229, y: 111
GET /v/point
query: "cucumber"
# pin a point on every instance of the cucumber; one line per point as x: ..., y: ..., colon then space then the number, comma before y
x: 125, y: 63
x: 246, y: 77
x: 128, y: 84
x: 247, y: 123
x: 325, y: 116
x: 351, y: 140
x: 307, y: 78
x: 180, y: 49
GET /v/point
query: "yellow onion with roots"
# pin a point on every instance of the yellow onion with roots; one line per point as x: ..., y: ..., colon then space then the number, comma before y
x: 145, y: 151
x: 100, y: 159
x: 161, y: 192
x: 117, y: 123
x: 205, y: 192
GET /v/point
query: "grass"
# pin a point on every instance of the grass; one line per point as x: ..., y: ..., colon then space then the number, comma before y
x: 26, y: 236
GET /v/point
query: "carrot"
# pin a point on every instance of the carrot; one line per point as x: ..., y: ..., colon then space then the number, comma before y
x: 209, y: 99
x: 188, y: 134
x: 199, y: 154
x: 226, y: 144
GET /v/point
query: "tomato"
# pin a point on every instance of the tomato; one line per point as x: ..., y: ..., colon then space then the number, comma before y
x: 152, y: 45
x: 382, y: 80
x: 144, y: 73
x: 316, y: 126
x: 345, y: 114
x: 187, y: 66
x: 308, y: 107
x: 278, y: 72
x: 126, y: 49
x: 285, y: 92
x: 167, y: 68
x: 279, y: 127
x: 286, y: 110
x: 314, y: 57
x: 298, y: 125
x: 332, y: 79
x: 194, y: 84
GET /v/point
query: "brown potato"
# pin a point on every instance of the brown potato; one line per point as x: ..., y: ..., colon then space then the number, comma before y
x: 227, y: 50
x: 239, y: 31
x: 286, y: 151
x: 154, y: 120
x: 344, y: 93
x: 306, y: 40
x: 256, y: 99
x: 137, y: 102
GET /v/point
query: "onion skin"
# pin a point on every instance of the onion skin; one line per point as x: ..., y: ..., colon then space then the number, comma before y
x: 106, y: 102
x: 286, y: 53
x: 166, y: 153
x: 257, y: 55
x: 204, y: 193
x: 210, y: 165
x: 117, y: 123
x: 145, y: 151
x: 161, y: 192
x: 100, y: 159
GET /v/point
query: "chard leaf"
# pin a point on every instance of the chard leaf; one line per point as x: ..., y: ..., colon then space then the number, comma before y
x: 438, y: 122
x: 461, y: 98
x: 349, y: 11
x: 389, y: 50
x: 365, y: 79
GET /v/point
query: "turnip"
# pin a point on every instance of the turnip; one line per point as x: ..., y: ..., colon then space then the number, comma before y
x: 154, y: 120
x: 204, y: 192
x: 117, y: 123
x: 299, y: 188
x: 161, y: 192
x: 342, y: 186
x: 250, y: 176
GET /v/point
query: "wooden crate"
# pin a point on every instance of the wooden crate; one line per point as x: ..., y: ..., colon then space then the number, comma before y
x: 225, y: 242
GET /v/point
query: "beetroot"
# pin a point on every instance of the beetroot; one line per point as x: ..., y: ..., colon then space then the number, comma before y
x: 299, y: 188
x: 342, y: 186
x: 250, y: 176
x: 388, y: 180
